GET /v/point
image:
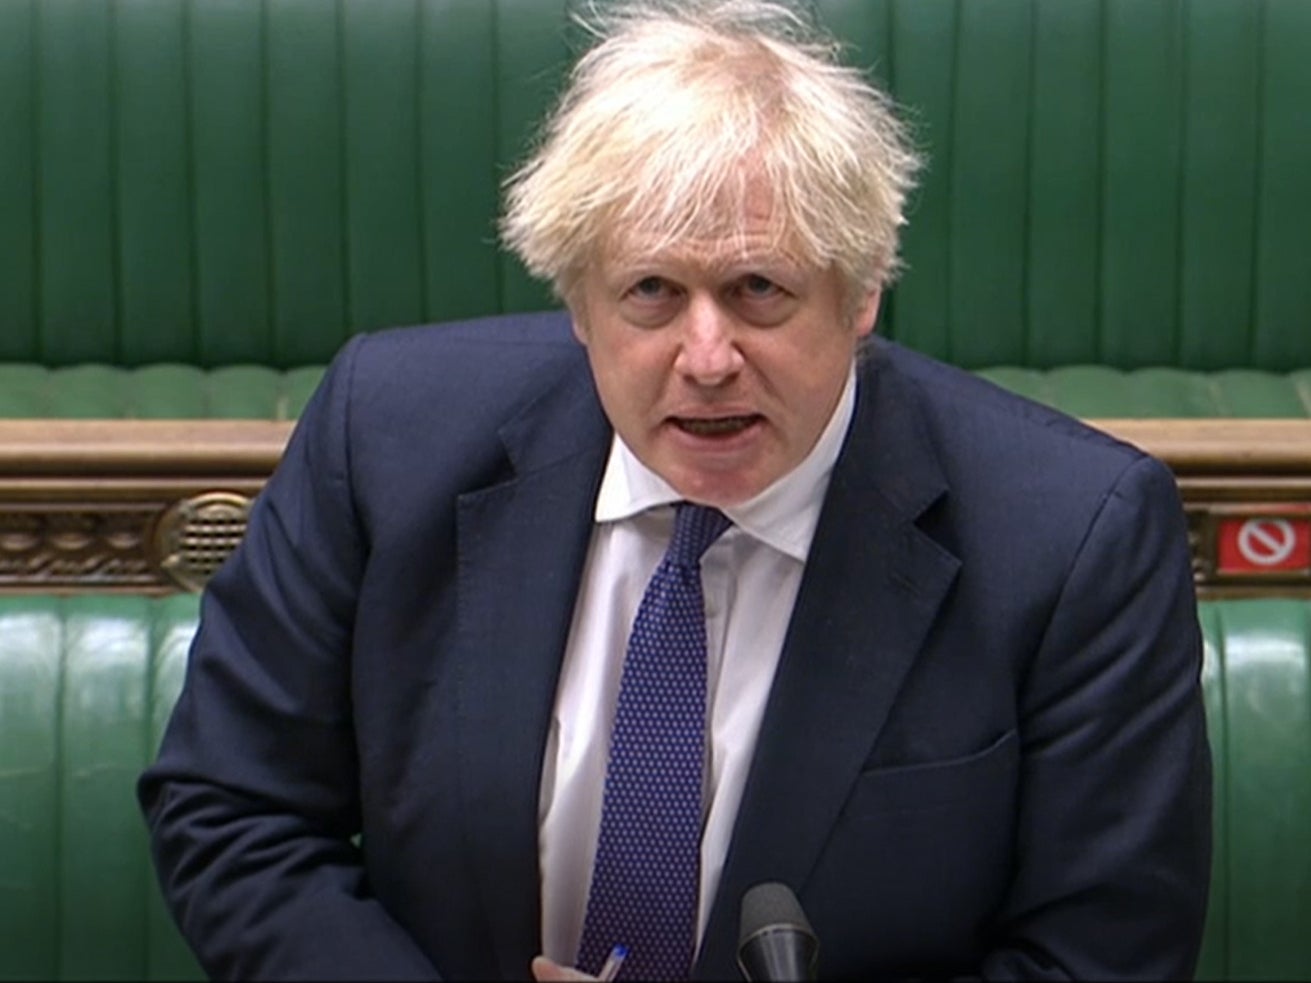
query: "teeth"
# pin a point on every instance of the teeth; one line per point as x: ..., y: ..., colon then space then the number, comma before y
x: 722, y: 425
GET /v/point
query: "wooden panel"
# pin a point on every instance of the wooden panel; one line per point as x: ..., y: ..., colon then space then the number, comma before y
x: 102, y: 505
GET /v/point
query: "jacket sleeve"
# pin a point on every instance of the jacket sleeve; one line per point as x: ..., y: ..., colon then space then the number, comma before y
x: 1114, y: 823
x: 253, y: 803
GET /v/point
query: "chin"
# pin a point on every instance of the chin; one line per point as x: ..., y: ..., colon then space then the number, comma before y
x: 718, y: 490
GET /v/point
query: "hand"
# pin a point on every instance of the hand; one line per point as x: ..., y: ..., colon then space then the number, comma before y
x: 545, y: 970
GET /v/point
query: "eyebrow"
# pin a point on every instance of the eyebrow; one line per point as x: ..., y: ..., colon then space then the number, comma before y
x: 741, y: 264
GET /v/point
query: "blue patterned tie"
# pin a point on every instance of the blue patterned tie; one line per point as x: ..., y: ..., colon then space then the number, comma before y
x: 648, y: 856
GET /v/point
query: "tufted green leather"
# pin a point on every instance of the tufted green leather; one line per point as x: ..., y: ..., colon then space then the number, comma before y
x: 211, y: 182
x: 167, y: 391
x: 256, y: 392
x: 1258, y: 692
x: 86, y: 684
x: 1099, y: 391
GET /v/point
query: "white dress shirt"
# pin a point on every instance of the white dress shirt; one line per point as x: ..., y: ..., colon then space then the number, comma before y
x: 750, y: 578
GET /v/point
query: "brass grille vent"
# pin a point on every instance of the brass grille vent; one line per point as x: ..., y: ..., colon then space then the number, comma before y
x: 195, y: 536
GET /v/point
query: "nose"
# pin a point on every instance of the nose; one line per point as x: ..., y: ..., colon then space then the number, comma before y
x: 708, y: 354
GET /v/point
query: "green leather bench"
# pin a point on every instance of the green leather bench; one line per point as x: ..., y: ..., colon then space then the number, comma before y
x: 86, y: 685
x: 185, y: 392
x: 212, y: 182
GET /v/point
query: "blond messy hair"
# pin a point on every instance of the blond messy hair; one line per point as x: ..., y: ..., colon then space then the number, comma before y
x: 677, y: 108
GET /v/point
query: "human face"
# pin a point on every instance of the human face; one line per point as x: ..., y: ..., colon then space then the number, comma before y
x: 720, y: 361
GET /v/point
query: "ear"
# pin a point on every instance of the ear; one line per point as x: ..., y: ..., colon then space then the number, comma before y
x: 570, y: 291
x: 579, y: 324
x: 867, y: 313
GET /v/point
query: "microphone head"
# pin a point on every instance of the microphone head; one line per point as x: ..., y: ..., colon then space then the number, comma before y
x: 771, y: 905
x: 775, y: 941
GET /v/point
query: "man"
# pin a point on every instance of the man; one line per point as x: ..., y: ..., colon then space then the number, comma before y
x: 945, y: 654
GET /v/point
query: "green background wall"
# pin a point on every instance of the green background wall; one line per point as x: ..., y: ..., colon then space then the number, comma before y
x: 216, y: 181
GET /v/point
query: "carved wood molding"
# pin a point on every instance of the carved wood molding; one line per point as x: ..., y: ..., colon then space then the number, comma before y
x: 153, y: 506
x: 1246, y: 488
x: 127, y: 506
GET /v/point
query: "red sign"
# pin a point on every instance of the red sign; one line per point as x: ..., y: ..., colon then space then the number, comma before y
x: 1264, y: 544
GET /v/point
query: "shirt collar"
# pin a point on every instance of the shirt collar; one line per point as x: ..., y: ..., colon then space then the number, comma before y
x: 783, y: 516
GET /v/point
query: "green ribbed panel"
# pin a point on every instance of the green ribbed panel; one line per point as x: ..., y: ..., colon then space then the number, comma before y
x: 1259, y: 652
x: 307, y: 228
x: 1111, y: 181
x: 1097, y: 391
x: 171, y: 391
x: 528, y: 63
x: 381, y: 125
x: 158, y: 392
x: 213, y: 182
x: 226, y: 181
x: 1140, y: 163
x: 1213, y: 961
x: 84, y: 687
x: 1221, y: 143
x: 1281, y: 323
x: 87, y: 684
x: 154, y: 219
x: 30, y: 707
x: 459, y: 201
x: 987, y: 182
x: 19, y: 314
x: 77, y: 262
x: 921, y: 68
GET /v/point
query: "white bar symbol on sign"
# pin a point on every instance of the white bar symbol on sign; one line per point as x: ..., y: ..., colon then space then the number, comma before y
x: 1266, y: 542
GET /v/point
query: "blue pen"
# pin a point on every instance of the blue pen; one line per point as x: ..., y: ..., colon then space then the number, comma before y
x: 610, y: 969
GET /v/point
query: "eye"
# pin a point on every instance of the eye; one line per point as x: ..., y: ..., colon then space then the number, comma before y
x: 650, y: 301
x: 760, y: 300
x: 649, y: 288
x: 756, y: 286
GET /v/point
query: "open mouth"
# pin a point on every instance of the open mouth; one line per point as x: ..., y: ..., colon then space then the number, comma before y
x: 723, y: 426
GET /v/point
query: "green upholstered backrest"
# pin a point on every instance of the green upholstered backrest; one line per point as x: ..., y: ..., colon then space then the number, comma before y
x: 1258, y: 698
x: 1163, y: 392
x: 1119, y: 182
x: 159, y: 392
x: 172, y: 391
x: 86, y: 685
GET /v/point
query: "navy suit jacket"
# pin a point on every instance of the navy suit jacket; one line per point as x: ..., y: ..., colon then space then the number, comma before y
x: 983, y: 753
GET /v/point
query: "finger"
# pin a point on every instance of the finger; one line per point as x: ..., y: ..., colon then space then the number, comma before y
x: 546, y: 970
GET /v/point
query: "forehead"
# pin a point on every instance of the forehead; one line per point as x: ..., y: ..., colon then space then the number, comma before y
x: 707, y: 252
x: 742, y: 222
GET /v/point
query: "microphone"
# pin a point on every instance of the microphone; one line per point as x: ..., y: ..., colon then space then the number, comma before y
x: 775, y: 941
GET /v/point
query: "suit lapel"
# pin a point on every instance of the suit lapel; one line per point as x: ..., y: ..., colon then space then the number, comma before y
x: 522, y: 545
x: 871, y: 591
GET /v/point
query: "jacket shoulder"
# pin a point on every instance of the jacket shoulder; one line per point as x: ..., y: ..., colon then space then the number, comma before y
x: 966, y: 409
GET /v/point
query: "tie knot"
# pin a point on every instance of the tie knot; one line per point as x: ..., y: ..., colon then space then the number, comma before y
x: 695, y: 528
